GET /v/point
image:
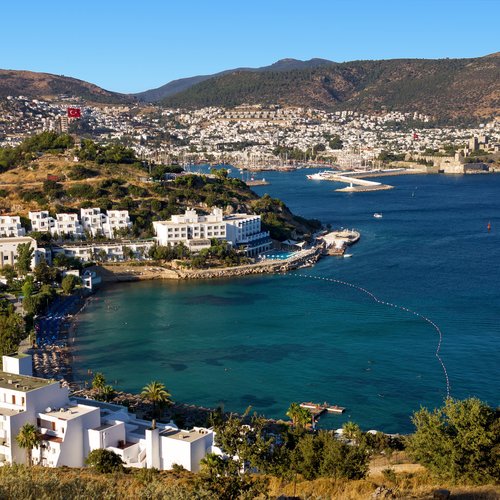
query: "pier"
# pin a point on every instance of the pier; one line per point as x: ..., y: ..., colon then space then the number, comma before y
x: 318, y: 409
x: 358, y: 185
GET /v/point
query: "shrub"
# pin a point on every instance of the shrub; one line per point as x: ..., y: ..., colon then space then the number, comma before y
x: 104, y: 461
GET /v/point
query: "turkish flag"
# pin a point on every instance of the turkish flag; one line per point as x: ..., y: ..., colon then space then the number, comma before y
x: 74, y: 113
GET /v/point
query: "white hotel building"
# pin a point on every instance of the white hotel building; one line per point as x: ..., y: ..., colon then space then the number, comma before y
x: 10, y: 226
x: 196, y: 231
x: 71, y: 428
x: 92, y: 220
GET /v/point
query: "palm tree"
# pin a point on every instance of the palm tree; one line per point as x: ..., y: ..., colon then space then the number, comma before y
x: 28, y: 438
x: 156, y: 393
x: 351, y: 431
x: 294, y: 412
x: 304, y: 417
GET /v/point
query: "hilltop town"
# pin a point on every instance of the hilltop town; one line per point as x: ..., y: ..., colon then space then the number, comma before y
x: 260, y: 137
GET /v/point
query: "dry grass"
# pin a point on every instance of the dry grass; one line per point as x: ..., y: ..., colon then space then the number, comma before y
x: 41, y: 483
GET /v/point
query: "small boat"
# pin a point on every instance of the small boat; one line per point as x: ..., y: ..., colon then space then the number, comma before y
x: 377, y: 216
x: 489, y: 227
x: 347, y: 255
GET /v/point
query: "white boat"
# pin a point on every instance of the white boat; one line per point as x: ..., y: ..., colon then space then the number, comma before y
x: 347, y: 255
x: 377, y: 216
x: 319, y: 176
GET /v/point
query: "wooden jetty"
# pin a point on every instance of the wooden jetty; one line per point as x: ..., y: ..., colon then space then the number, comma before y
x: 318, y: 409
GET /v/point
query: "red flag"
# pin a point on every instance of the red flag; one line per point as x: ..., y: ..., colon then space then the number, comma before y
x: 74, y: 113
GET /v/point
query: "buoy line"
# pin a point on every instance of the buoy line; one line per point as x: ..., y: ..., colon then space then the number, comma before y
x: 395, y: 306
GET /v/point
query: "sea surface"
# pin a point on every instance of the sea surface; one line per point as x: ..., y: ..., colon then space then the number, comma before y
x: 267, y: 341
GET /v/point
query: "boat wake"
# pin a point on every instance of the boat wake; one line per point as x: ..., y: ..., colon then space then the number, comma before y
x: 396, y: 306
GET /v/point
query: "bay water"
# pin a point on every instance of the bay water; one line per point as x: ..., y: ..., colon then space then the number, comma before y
x: 267, y: 341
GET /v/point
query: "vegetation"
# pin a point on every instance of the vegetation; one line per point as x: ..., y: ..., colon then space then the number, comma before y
x: 156, y: 393
x: 434, y: 87
x: 459, y: 442
x: 44, y: 142
x: 28, y: 438
x: 104, y: 461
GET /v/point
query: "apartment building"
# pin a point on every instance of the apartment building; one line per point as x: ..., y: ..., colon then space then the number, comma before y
x: 41, y: 222
x: 10, y: 226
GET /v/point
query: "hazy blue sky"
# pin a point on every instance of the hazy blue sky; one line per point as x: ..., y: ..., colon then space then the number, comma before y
x: 130, y: 46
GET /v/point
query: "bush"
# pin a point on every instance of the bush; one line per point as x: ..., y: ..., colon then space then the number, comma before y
x: 458, y: 442
x: 104, y: 461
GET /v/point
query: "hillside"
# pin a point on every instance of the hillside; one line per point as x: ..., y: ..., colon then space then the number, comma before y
x: 177, y: 86
x: 111, y: 177
x: 444, y: 88
x: 48, y: 86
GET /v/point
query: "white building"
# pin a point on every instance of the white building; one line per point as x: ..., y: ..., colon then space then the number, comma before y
x: 71, y: 428
x: 41, y: 221
x: 190, y: 226
x: 106, y: 250
x: 244, y: 231
x: 117, y: 220
x: 10, y: 226
x: 8, y: 251
x: 93, y: 220
x: 68, y: 225
x: 241, y: 230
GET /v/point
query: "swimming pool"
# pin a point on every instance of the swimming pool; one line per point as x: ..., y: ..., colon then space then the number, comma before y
x: 277, y: 255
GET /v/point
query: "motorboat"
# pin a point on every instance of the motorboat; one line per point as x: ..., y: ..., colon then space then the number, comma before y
x: 377, y: 215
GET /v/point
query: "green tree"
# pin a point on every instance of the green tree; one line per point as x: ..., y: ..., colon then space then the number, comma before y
x: 223, y: 479
x: 98, y: 382
x: 28, y: 438
x: 459, y: 442
x: 24, y: 255
x: 300, y: 416
x: 11, y: 331
x: 107, y: 393
x: 156, y: 393
x: 10, y: 273
x: 104, y: 461
x: 28, y: 287
x: 69, y: 283
x: 351, y: 431
x: 44, y: 273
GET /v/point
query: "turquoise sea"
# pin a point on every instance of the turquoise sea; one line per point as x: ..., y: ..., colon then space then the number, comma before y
x: 270, y: 340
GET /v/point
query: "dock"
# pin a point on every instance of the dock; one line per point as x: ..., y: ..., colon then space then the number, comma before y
x: 318, y: 409
x: 336, y: 242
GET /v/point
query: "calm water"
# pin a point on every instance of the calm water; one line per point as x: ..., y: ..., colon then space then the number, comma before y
x: 267, y: 341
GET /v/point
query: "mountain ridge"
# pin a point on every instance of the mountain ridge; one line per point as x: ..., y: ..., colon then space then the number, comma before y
x: 442, y: 88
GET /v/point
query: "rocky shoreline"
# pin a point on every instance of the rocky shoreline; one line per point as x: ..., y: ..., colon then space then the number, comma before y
x: 110, y: 273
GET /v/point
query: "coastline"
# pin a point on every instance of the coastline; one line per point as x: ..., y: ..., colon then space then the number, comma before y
x: 54, y: 358
x: 125, y: 273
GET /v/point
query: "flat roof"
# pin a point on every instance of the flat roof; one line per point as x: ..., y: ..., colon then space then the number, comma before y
x: 7, y: 412
x: 70, y: 412
x: 181, y: 435
x: 23, y: 383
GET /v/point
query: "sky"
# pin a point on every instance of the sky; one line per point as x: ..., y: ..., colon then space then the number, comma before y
x: 131, y: 46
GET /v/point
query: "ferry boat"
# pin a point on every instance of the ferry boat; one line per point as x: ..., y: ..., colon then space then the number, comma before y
x: 377, y: 216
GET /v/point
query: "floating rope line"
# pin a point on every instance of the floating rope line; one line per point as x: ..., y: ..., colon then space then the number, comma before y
x: 395, y: 306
